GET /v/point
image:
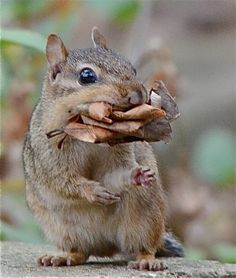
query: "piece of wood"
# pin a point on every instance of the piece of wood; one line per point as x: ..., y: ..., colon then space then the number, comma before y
x: 18, y: 259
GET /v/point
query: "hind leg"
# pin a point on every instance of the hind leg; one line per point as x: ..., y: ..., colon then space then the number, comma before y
x: 140, y: 232
x: 146, y: 244
x: 72, y: 256
x: 146, y: 212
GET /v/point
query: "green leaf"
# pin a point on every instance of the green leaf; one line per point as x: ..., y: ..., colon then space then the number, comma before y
x: 24, y: 38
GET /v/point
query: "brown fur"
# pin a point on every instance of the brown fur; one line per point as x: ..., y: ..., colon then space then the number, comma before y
x: 61, y: 184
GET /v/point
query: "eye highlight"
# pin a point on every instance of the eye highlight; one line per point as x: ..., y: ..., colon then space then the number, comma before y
x: 87, y: 76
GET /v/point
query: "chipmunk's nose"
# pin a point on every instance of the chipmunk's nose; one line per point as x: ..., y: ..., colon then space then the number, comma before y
x: 137, y: 97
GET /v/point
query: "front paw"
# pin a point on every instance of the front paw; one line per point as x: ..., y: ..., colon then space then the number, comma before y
x: 142, y: 176
x: 101, y: 196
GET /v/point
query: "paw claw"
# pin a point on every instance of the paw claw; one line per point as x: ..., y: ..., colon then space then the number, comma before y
x: 45, y: 260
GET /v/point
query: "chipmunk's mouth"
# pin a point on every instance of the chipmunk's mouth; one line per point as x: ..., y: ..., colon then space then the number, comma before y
x: 101, y: 122
x: 126, y: 104
x: 120, y: 108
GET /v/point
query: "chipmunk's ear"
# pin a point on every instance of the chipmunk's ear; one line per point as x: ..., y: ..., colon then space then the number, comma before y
x: 98, y: 39
x: 56, y: 54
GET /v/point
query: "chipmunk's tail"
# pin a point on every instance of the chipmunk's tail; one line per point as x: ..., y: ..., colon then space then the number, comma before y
x: 171, y: 247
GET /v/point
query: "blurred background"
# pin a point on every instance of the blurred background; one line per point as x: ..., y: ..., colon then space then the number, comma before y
x: 188, y: 44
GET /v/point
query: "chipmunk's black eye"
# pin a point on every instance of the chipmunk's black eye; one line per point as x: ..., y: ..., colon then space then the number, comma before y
x: 87, y: 76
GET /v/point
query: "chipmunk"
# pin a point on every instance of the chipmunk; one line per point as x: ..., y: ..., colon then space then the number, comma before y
x: 93, y: 199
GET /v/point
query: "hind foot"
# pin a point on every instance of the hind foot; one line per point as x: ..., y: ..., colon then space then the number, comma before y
x: 70, y: 259
x: 147, y: 262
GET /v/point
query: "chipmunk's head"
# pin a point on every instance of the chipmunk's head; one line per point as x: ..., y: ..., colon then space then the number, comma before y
x: 92, y: 74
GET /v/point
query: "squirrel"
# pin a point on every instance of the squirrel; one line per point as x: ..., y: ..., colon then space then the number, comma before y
x: 93, y: 199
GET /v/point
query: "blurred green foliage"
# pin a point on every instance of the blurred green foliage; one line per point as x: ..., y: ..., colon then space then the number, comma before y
x: 214, y: 157
x: 24, y: 38
x: 195, y: 253
x: 20, y: 9
x: 28, y: 232
x: 14, y: 57
x: 225, y: 252
x: 20, y: 225
x: 127, y: 12
x: 121, y: 12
